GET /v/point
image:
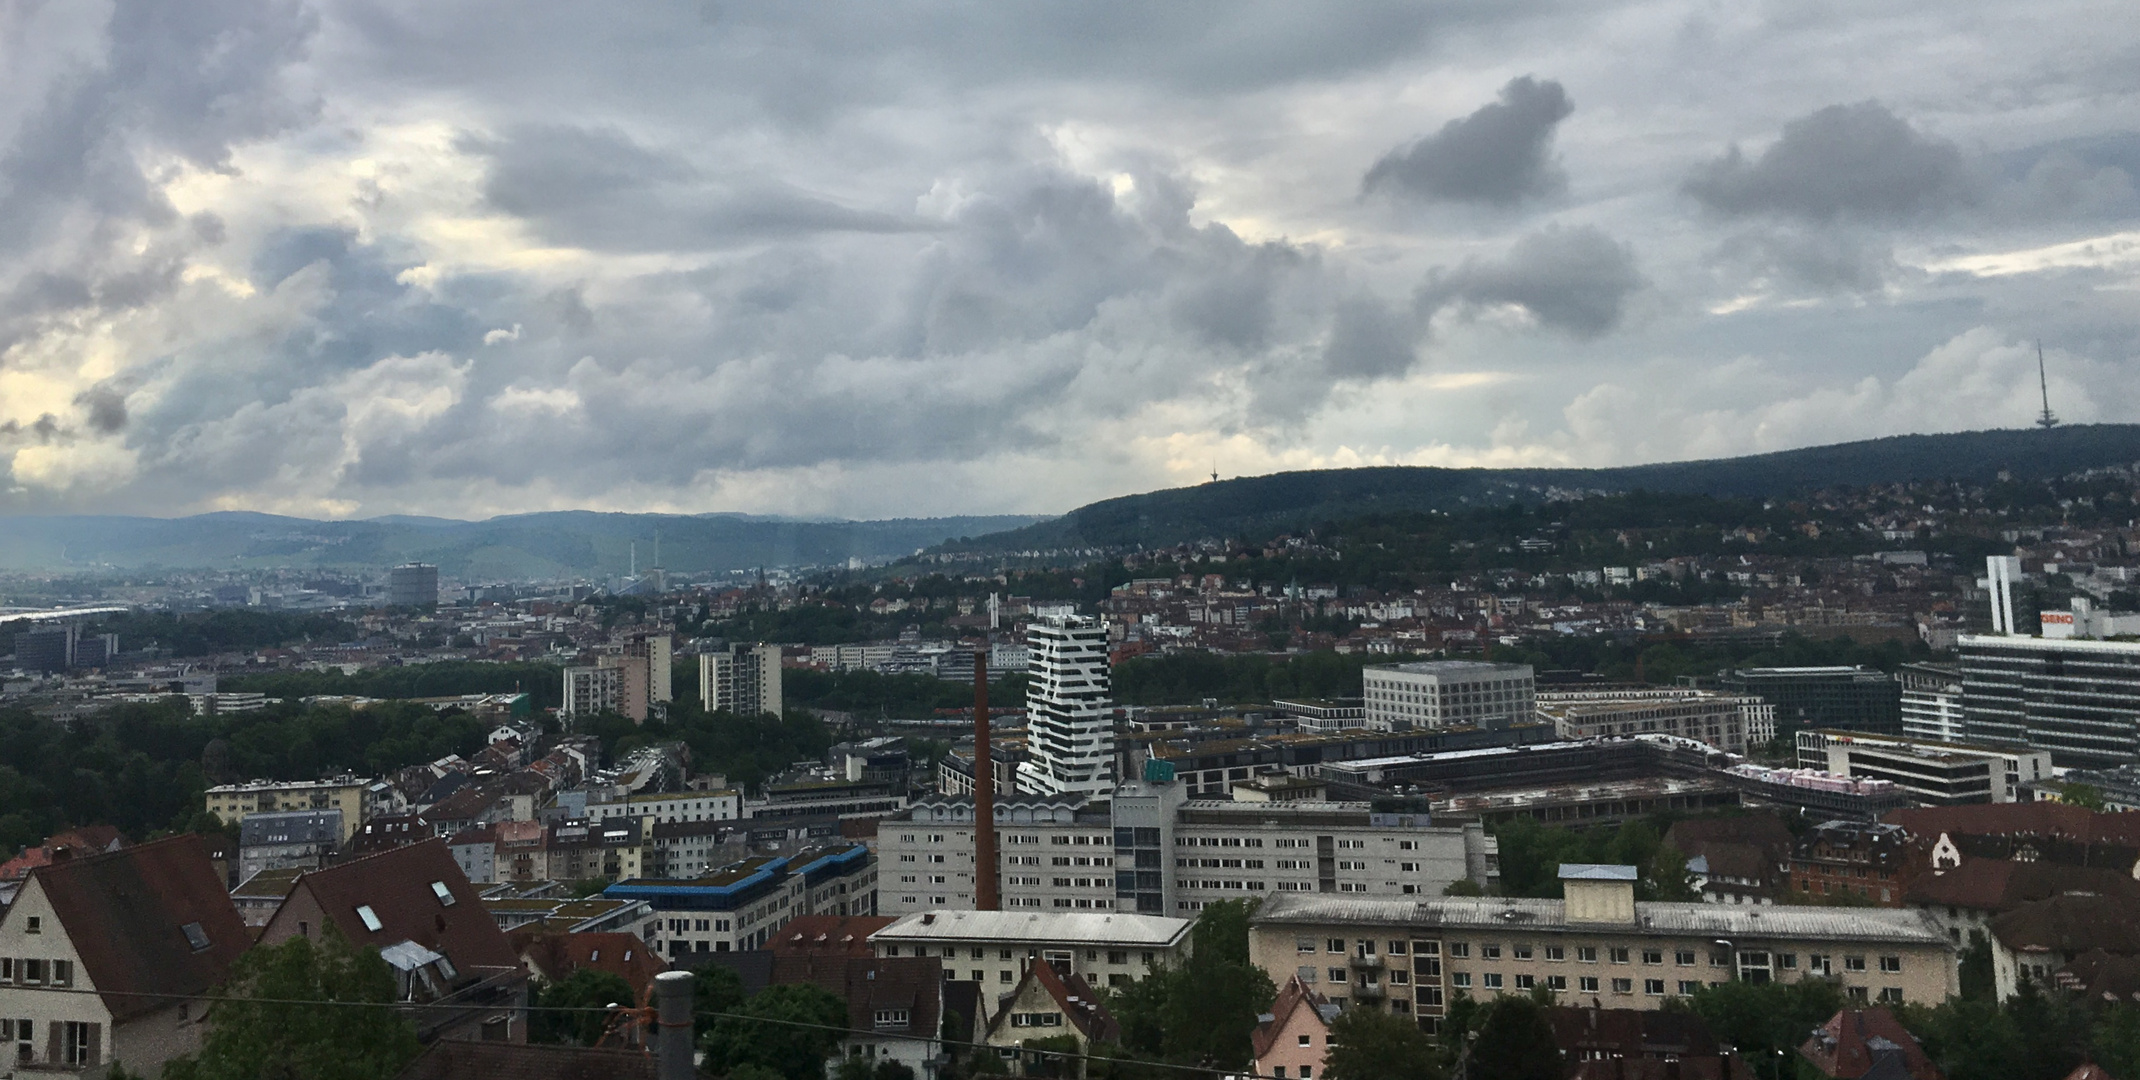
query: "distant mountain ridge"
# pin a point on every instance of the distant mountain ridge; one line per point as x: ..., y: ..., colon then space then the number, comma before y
x: 570, y: 543
x: 1296, y: 500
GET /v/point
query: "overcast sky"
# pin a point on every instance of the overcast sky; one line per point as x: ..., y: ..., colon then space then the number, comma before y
x: 361, y: 257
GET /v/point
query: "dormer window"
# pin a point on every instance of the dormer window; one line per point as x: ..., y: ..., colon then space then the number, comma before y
x: 370, y: 917
x: 444, y: 894
x: 893, y: 1018
x: 195, y: 936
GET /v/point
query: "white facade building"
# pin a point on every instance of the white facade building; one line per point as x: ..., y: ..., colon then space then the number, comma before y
x: 742, y: 679
x: 1448, y: 693
x: 1934, y: 773
x: 993, y: 948
x: 591, y: 690
x: 1070, y: 712
x: 1151, y: 849
x: 1931, y: 702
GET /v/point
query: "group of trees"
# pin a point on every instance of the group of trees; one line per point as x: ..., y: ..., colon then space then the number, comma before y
x: 543, y: 683
x: 142, y: 768
x: 1187, y: 678
x: 874, y: 694
x: 222, y: 630
x: 2033, y: 1035
x: 746, y: 749
x: 1531, y: 854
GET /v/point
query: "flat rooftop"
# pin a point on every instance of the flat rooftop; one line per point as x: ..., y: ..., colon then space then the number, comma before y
x: 1802, y: 924
x: 1137, y: 931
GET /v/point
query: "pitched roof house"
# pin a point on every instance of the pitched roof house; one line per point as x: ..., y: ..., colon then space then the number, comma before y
x: 895, y: 1005
x: 1290, y: 1041
x: 1047, y: 1003
x: 2036, y: 939
x: 1639, y: 1044
x: 553, y: 956
x: 1866, y: 1044
x: 149, y: 928
x: 414, y: 905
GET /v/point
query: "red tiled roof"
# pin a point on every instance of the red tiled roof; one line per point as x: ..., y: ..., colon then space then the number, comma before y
x: 1853, y: 1040
x: 126, y: 912
x: 2003, y: 884
x: 869, y: 984
x: 820, y: 934
x: 2071, y: 925
x: 556, y: 956
x: 1074, y: 997
x: 396, y: 885
x: 1294, y: 996
x: 87, y: 840
x: 2048, y: 819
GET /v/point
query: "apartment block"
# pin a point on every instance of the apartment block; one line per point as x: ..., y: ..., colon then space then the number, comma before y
x: 1931, y: 702
x: 1069, y: 709
x: 994, y: 948
x: 233, y: 803
x: 741, y: 679
x: 1409, y: 956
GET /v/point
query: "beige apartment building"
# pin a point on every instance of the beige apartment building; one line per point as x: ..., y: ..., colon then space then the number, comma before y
x: 233, y: 802
x: 1597, y: 945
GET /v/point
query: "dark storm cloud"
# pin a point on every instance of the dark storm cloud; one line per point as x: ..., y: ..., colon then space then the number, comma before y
x: 1812, y: 259
x: 597, y: 188
x: 1575, y: 280
x: 106, y: 409
x: 1499, y: 155
x: 1844, y: 161
x: 1369, y: 341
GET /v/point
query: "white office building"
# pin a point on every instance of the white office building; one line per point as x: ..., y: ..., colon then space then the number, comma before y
x: 742, y: 679
x: 1151, y: 849
x: 1936, y: 773
x: 1069, y: 709
x: 1448, y: 693
x: 1931, y: 702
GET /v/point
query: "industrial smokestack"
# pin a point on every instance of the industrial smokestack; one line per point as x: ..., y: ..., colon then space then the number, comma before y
x: 984, y: 792
x: 672, y: 1015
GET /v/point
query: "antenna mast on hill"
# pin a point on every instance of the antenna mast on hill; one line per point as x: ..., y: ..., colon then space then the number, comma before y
x: 2046, y: 421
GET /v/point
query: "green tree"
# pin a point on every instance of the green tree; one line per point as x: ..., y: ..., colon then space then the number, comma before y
x: 584, y: 989
x: 1204, y: 1010
x: 1970, y: 1039
x: 1515, y: 1042
x: 353, y: 1033
x: 1369, y: 1044
x: 1463, y: 887
x: 788, y: 1029
x: 2087, y: 796
x: 1977, y: 976
x: 2115, y: 1043
x: 1766, y: 1021
x: 714, y: 990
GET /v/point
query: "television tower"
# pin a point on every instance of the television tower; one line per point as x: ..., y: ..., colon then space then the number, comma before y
x: 2047, y: 420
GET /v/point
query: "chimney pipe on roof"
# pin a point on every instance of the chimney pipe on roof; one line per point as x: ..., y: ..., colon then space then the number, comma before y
x: 984, y: 792
x: 672, y: 1045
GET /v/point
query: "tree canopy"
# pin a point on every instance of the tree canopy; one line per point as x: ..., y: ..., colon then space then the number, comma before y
x: 261, y: 1035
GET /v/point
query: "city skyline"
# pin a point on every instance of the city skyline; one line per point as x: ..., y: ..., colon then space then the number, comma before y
x: 346, y: 259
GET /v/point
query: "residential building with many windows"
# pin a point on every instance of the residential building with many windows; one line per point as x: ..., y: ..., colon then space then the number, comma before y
x: 1070, y: 735
x: 739, y: 906
x: 1720, y: 720
x: 233, y: 803
x: 741, y: 679
x: 994, y: 948
x: 1410, y: 956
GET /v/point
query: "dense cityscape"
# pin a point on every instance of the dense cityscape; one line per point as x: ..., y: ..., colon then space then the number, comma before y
x: 1271, y: 806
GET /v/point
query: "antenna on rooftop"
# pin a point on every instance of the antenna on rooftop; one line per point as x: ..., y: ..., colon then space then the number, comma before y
x: 2047, y: 420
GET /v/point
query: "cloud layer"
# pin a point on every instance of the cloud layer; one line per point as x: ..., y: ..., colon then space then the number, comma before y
x: 354, y: 257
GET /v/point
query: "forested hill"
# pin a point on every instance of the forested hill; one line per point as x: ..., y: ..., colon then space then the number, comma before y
x: 544, y: 545
x: 1281, y: 501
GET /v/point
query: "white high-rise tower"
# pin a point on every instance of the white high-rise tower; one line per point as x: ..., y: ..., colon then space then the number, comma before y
x: 1070, y: 731
x: 1999, y: 574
